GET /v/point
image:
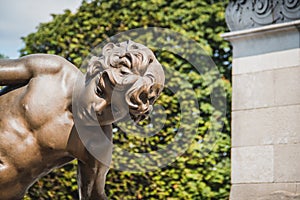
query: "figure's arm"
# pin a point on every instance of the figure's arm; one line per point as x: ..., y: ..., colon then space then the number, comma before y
x: 91, y: 180
x: 91, y: 172
x: 18, y: 71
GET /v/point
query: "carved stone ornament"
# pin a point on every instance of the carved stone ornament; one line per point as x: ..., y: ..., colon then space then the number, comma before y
x: 245, y: 14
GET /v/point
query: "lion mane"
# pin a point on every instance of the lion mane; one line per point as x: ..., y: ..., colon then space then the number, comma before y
x: 133, y: 68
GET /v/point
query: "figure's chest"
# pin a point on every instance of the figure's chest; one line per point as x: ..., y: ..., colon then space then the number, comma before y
x: 45, y: 108
x: 43, y: 100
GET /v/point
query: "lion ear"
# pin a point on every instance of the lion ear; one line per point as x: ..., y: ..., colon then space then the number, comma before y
x: 94, y: 67
x: 107, y: 48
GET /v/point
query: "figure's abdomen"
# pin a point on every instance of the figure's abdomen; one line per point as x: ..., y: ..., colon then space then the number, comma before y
x: 34, y: 129
x: 10, y: 186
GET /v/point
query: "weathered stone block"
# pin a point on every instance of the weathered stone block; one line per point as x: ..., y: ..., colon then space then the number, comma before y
x: 262, y: 190
x: 287, y: 163
x: 298, y: 188
x: 268, y: 61
x: 275, y: 125
x: 254, y: 90
x: 252, y: 164
x: 287, y: 84
x: 281, y: 195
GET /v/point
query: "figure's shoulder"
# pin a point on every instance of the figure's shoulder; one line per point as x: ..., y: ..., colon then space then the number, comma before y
x: 47, y: 63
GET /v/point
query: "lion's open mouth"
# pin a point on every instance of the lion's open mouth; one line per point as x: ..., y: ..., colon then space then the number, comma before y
x: 127, y: 60
x: 131, y: 61
x: 104, y: 85
x: 99, y: 87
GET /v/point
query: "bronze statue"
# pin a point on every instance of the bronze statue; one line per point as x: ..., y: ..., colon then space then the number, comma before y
x: 37, y: 129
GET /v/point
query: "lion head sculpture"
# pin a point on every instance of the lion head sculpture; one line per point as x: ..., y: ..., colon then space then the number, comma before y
x: 132, y: 70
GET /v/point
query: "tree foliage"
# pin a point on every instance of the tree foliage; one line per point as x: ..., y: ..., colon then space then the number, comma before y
x: 203, y: 171
x: 2, y: 56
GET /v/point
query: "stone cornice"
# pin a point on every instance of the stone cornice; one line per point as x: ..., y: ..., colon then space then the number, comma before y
x: 266, y: 39
x: 286, y: 27
x: 245, y: 14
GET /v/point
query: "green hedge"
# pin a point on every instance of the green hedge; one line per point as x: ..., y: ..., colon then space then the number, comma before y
x: 203, y: 171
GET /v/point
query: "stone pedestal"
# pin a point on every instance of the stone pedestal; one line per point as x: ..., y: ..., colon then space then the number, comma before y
x: 266, y: 112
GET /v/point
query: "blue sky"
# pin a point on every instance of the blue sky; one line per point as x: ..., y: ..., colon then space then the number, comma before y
x: 18, y: 18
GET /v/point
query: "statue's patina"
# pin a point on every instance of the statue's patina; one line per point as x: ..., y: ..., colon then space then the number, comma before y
x: 37, y: 129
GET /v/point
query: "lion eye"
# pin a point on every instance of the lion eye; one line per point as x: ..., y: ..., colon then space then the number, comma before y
x: 99, y: 92
x: 125, y: 71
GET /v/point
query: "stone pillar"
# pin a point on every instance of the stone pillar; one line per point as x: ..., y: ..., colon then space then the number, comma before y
x: 266, y: 100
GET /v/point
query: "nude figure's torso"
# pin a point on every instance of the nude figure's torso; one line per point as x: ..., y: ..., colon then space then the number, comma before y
x: 34, y: 130
x: 37, y: 131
